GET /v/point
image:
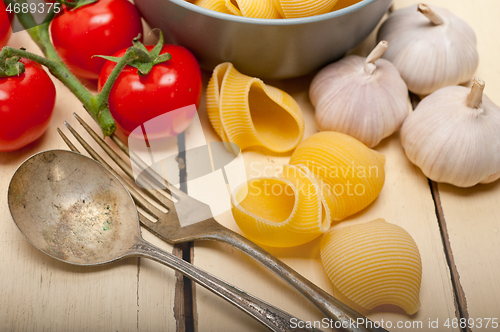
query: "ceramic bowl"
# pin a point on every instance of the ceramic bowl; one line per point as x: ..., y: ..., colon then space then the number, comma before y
x: 265, y: 48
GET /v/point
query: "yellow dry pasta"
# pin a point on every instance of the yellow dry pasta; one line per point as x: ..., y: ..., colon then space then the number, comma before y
x: 373, y: 264
x: 344, y: 3
x: 245, y: 111
x: 305, y: 8
x: 253, y: 8
x: 274, y: 9
x: 352, y: 172
x: 215, y: 5
x: 283, y: 211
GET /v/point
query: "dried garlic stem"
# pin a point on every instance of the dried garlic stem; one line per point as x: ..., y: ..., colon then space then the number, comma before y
x: 475, y: 96
x: 434, y: 17
x: 374, y: 56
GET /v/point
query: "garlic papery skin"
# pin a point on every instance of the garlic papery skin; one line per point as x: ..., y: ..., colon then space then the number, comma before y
x: 365, y: 98
x: 454, y: 136
x: 431, y: 47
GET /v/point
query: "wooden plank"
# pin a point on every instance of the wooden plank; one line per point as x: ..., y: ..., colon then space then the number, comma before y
x: 406, y: 200
x: 38, y: 293
x: 470, y: 216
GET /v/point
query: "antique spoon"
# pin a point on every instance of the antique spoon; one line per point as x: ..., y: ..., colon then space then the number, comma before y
x: 73, y: 209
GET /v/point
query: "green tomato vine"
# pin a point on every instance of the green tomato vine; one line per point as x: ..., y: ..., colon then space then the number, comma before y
x: 96, y: 105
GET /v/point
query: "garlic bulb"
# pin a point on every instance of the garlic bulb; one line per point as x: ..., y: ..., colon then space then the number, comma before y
x: 365, y: 98
x: 454, y: 136
x: 431, y: 47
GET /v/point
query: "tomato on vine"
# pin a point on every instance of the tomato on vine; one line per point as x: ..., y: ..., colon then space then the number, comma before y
x: 103, y: 27
x: 170, y: 80
x: 26, y: 105
x: 5, y: 28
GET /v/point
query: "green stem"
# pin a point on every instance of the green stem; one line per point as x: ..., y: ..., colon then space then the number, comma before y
x: 8, y: 52
x: 40, y: 35
x: 102, y: 97
x: 100, y: 101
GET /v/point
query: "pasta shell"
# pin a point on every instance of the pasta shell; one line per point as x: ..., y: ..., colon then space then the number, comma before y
x: 282, y: 211
x: 373, y: 264
x: 305, y: 8
x: 245, y: 111
x: 353, y: 173
x: 253, y: 8
x: 344, y: 3
x: 215, y: 5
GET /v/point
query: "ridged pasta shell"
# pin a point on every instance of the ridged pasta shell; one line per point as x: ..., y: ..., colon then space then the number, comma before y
x: 344, y: 3
x: 373, y: 264
x: 283, y: 211
x: 352, y: 172
x: 215, y: 5
x: 245, y: 111
x: 305, y: 8
x: 253, y: 8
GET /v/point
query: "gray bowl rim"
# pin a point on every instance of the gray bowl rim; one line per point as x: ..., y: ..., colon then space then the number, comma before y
x: 275, y: 22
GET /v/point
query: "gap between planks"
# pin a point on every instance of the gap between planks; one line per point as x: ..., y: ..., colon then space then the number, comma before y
x: 184, y: 297
x: 458, y: 292
x: 184, y: 301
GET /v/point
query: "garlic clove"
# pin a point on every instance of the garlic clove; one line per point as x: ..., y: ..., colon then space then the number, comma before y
x: 454, y: 136
x: 365, y: 98
x: 431, y: 47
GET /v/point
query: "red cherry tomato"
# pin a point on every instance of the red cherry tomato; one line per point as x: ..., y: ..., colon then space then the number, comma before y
x: 5, y: 29
x: 101, y: 28
x: 26, y: 105
x: 169, y: 86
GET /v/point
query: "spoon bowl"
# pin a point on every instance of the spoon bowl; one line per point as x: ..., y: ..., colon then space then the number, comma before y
x: 72, y: 208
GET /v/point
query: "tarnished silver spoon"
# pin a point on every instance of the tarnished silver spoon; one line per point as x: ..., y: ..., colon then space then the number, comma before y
x: 73, y: 209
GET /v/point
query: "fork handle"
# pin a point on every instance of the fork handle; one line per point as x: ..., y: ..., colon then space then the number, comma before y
x: 333, y: 308
x: 275, y: 319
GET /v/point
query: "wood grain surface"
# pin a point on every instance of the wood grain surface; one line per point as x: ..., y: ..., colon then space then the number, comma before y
x: 456, y: 230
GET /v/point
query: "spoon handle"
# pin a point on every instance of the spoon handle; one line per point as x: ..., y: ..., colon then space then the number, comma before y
x: 275, y: 319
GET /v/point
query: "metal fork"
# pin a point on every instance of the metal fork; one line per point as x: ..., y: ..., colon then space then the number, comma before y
x: 168, y: 228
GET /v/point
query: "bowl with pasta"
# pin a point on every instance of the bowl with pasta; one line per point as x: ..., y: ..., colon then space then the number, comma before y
x: 265, y: 45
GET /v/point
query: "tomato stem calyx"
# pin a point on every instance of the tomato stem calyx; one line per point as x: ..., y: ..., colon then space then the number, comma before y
x: 101, y: 100
x: 80, y: 3
x: 11, y: 67
x: 143, y: 59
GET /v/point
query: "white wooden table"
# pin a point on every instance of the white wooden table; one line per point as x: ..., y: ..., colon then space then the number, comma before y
x: 456, y: 230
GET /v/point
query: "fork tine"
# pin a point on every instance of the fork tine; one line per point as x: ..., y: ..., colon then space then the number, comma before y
x: 126, y: 168
x: 135, y: 158
x: 116, y: 158
x: 148, y: 207
x: 120, y: 144
x: 67, y: 141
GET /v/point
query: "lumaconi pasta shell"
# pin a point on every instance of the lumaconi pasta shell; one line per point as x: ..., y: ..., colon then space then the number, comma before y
x: 353, y: 173
x: 305, y: 8
x: 282, y: 211
x: 253, y: 8
x: 245, y: 111
x: 344, y: 3
x: 215, y: 5
x: 373, y: 264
